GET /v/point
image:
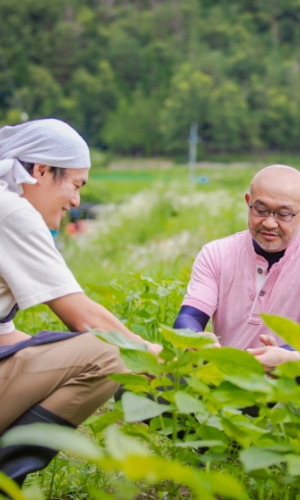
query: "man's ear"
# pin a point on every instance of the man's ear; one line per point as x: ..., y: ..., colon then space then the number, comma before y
x: 39, y: 171
x: 247, y: 198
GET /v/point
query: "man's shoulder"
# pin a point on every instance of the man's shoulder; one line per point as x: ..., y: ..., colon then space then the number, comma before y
x: 233, y: 241
x: 11, y: 202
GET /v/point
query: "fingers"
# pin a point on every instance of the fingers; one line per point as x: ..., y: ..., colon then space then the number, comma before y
x: 258, y: 351
x: 268, y: 340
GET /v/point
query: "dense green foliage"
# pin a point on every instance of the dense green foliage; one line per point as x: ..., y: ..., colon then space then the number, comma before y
x: 136, y: 260
x: 131, y: 75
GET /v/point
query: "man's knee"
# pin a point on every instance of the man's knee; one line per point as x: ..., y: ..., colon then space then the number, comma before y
x: 103, y: 358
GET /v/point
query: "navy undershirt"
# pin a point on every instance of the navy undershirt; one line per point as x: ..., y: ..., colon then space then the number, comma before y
x: 195, y: 319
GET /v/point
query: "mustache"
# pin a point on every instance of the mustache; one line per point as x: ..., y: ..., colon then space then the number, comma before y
x: 263, y: 230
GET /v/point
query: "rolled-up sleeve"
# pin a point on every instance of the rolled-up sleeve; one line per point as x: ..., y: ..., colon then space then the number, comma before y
x: 30, y: 265
x: 202, y: 291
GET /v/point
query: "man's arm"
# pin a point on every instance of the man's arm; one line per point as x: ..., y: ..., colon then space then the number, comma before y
x: 193, y: 319
x: 79, y: 313
x: 271, y: 355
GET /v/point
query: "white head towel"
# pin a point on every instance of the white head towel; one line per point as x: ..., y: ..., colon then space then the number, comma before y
x: 48, y: 141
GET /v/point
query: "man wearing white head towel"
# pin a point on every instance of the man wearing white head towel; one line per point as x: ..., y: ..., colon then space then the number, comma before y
x: 53, y: 377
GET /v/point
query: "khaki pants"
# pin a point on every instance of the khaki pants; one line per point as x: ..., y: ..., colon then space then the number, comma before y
x: 66, y: 377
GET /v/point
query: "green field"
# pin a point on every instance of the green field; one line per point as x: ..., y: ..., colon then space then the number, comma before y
x: 136, y: 260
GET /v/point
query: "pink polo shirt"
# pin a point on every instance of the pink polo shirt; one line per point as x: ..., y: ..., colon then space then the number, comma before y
x: 231, y: 284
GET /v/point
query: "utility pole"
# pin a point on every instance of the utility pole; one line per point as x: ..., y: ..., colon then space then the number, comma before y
x: 193, y: 140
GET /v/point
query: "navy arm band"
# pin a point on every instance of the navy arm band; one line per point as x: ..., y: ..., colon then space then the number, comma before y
x: 191, y: 318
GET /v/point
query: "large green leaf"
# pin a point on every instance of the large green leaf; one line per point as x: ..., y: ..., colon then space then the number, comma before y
x: 184, y: 339
x: 9, y: 486
x: 188, y: 404
x: 106, y: 419
x: 33, y: 493
x: 205, y: 486
x: 52, y: 436
x: 136, y: 383
x: 258, y: 458
x: 240, y: 429
x: 120, y: 340
x: 293, y: 463
x: 142, y: 362
x: 252, y: 382
x: 197, y: 385
x: 119, y: 445
x: 140, y: 408
x: 232, y: 396
x: 233, y: 361
x: 287, y: 329
x: 290, y: 369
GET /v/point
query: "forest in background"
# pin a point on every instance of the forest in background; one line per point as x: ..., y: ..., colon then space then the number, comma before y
x: 131, y: 75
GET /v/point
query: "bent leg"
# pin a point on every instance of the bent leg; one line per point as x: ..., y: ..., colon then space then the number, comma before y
x: 67, y: 378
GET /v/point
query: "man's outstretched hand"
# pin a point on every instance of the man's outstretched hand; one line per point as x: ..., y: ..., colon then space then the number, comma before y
x: 270, y: 355
x: 154, y: 348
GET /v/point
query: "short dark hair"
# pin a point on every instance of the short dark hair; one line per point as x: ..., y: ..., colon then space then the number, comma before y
x: 58, y: 173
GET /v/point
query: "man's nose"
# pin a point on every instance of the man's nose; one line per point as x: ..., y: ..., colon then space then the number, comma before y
x: 270, y: 222
x: 76, y: 199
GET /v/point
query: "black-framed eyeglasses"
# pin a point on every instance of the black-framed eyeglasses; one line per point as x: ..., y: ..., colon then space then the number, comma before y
x: 280, y: 215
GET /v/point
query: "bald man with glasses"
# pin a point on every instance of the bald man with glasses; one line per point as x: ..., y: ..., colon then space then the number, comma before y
x: 235, y: 279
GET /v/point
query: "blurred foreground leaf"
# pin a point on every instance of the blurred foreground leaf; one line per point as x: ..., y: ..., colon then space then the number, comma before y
x: 287, y: 329
x: 233, y: 361
x: 7, y: 485
x: 120, y: 340
x: 120, y: 445
x: 185, y: 338
x: 52, y: 436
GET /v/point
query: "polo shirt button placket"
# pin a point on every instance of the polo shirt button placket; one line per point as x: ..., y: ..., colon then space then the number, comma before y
x: 260, y: 270
x: 262, y: 293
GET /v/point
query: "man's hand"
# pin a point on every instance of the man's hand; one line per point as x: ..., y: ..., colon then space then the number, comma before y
x: 154, y: 348
x: 212, y: 336
x: 270, y: 355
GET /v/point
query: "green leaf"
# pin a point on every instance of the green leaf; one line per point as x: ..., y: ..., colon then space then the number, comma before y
x: 140, y: 408
x: 290, y: 369
x: 9, y: 486
x: 293, y: 463
x: 188, y: 404
x: 232, y: 396
x: 240, y: 429
x: 258, y: 458
x: 233, y: 361
x: 129, y: 379
x: 197, y: 385
x: 205, y: 486
x: 142, y: 362
x: 253, y: 382
x: 287, y: 329
x: 120, y: 446
x: 52, y: 436
x: 106, y: 419
x: 184, y: 339
x: 33, y: 493
x: 120, y: 340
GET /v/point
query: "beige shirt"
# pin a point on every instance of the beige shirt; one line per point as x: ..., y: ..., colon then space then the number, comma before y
x: 32, y: 271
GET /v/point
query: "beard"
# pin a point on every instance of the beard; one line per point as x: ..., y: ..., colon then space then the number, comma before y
x: 270, y: 247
